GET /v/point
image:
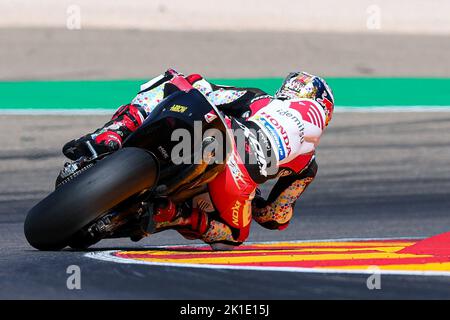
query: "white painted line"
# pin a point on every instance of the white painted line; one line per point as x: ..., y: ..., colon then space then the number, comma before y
x: 110, y: 257
x: 293, y: 241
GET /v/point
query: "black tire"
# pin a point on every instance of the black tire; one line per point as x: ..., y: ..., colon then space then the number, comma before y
x: 52, y: 222
x: 81, y: 242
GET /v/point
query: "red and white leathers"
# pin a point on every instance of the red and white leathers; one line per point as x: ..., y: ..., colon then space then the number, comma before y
x: 294, y: 128
x: 290, y: 128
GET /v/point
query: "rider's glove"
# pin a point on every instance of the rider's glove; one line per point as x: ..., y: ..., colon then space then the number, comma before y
x: 86, y: 146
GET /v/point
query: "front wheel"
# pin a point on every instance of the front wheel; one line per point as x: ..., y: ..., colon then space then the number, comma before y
x: 51, y: 223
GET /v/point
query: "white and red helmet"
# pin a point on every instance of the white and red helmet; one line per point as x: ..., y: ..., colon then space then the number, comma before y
x: 304, y: 85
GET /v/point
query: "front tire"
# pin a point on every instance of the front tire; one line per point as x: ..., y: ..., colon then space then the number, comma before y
x: 51, y: 223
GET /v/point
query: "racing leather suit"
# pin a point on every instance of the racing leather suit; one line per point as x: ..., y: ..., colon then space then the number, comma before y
x: 288, y: 132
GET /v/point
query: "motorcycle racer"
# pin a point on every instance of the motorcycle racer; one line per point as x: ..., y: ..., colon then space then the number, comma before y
x: 286, y: 128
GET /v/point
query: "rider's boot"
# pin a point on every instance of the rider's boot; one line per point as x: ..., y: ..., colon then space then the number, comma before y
x: 193, y: 223
x: 110, y: 137
x: 164, y: 210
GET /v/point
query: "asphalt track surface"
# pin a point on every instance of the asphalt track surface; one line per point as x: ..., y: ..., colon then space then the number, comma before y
x: 380, y: 175
x: 119, y: 54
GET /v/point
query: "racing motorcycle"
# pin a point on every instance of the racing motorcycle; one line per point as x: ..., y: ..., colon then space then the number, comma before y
x: 111, y: 195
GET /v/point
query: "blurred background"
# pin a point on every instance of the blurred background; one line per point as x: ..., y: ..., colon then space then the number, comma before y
x: 61, y: 56
x: 384, y: 161
x: 117, y: 39
x: 387, y: 62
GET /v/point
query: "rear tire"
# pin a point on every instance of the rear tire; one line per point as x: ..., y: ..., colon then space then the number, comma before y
x: 52, y: 222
